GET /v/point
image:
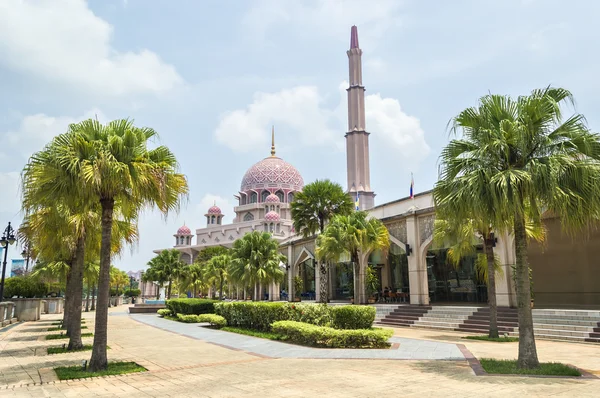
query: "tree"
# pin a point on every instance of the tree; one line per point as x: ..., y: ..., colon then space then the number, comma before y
x: 192, y: 278
x: 165, y: 267
x: 90, y: 278
x: 217, y: 267
x: 355, y: 234
x: 118, y: 278
x: 312, y: 208
x: 531, y: 161
x: 255, y: 259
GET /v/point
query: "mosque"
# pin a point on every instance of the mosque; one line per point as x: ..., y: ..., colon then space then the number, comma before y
x: 413, y: 270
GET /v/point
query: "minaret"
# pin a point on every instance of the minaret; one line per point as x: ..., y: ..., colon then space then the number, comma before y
x: 357, y: 138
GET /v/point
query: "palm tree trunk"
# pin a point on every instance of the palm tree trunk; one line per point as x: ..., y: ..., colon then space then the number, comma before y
x: 158, y: 292
x: 221, y: 287
x: 99, y: 360
x: 77, y: 282
x: 169, y: 295
x: 323, y: 294
x: 67, y: 312
x: 528, y: 358
x: 491, y: 286
x: 94, y: 298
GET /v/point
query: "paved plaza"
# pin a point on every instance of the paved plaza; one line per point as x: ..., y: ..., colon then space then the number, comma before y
x: 186, y: 360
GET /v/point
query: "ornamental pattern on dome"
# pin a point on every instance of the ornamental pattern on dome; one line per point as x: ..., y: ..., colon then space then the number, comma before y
x: 272, y: 216
x: 269, y: 171
x: 214, y: 210
x: 184, y: 231
x: 272, y: 198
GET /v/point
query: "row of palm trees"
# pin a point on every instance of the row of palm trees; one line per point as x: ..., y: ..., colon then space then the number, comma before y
x: 82, y: 195
x: 514, y: 162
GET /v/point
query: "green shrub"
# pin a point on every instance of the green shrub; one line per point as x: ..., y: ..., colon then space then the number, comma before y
x: 24, y: 286
x: 321, y: 336
x: 190, y: 318
x: 164, y: 312
x: 215, y: 320
x: 258, y: 316
x: 191, y: 306
x: 352, y: 316
x: 133, y: 292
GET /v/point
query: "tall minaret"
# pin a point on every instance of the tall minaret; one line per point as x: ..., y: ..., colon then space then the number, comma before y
x: 357, y: 138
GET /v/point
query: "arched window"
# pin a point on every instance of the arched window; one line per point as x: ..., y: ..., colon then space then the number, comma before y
x: 248, y: 217
x: 266, y: 209
x: 253, y: 197
x: 279, y: 195
x: 243, y: 200
x: 272, y: 207
x: 271, y: 227
x: 266, y: 228
x: 212, y: 219
x: 263, y: 195
x: 290, y: 197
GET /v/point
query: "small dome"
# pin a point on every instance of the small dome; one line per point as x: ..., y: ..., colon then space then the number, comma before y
x: 272, y: 198
x: 214, y: 210
x: 184, y: 231
x: 272, y: 216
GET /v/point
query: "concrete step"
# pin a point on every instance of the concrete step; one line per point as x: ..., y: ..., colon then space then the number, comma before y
x: 435, y: 324
x: 568, y: 313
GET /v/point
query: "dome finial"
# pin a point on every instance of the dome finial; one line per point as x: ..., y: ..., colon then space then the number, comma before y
x: 272, y: 140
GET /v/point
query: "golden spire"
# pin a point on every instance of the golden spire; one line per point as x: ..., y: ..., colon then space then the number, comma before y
x: 272, y: 140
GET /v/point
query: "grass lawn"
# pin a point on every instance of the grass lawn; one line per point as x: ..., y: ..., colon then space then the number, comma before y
x: 255, y: 333
x: 115, y: 368
x: 495, y: 339
x: 508, y: 367
x: 60, y: 323
x: 61, y: 350
x: 64, y: 336
x: 57, y: 329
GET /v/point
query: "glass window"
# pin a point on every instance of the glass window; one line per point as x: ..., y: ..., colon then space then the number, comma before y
x: 253, y: 197
x: 279, y: 195
x: 290, y: 197
x: 263, y: 195
x: 212, y: 219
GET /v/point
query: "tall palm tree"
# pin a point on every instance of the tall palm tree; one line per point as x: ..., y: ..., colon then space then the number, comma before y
x: 166, y: 267
x: 312, y: 208
x: 217, y: 267
x: 531, y: 160
x: 192, y: 278
x: 255, y: 259
x: 357, y: 235
x: 90, y: 277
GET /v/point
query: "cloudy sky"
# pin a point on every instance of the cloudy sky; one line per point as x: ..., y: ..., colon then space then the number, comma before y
x: 212, y: 76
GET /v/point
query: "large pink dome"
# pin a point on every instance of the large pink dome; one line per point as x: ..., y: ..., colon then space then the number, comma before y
x: 272, y: 172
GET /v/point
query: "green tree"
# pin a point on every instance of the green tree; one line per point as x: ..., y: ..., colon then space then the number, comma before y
x: 531, y: 160
x: 90, y: 278
x: 357, y: 235
x: 312, y: 209
x: 166, y: 267
x: 192, y: 278
x: 217, y: 268
x: 255, y: 260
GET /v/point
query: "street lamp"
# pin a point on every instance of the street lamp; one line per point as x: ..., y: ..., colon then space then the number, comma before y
x: 8, y: 238
x: 25, y: 254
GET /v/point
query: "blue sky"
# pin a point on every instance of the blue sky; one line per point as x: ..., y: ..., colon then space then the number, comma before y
x: 212, y: 77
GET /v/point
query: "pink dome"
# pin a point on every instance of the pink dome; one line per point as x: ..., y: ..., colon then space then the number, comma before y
x: 272, y: 216
x: 214, y: 210
x: 184, y: 231
x: 272, y: 198
x: 272, y: 172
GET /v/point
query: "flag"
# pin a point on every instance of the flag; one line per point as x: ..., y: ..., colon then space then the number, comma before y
x: 357, y: 201
x: 412, y: 187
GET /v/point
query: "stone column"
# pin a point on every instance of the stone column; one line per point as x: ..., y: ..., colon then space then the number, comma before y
x: 417, y: 266
x: 505, y: 288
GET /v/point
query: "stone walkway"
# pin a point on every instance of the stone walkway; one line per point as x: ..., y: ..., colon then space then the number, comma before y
x: 181, y: 366
x: 408, y: 348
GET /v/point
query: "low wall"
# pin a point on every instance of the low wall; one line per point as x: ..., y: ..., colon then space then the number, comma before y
x: 7, y: 313
x: 54, y: 305
x: 28, y: 309
x: 146, y: 308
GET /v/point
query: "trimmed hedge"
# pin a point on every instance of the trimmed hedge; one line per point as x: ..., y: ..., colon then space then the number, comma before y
x: 164, y: 312
x: 352, y: 316
x: 260, y: 316
x: 214, y: 320
x: 191, y: 306
x: 321, y: 336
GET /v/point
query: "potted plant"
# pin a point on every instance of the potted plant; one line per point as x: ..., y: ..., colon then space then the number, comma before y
x: 298, y: 285
x: 371, y: 284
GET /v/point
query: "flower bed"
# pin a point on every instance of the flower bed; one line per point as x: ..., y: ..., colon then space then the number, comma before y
x: 321, y: 336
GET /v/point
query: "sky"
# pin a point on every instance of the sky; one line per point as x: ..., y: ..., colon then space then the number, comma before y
x: 213, y: 76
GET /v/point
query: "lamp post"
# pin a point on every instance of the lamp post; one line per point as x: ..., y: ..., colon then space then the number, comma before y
x: 25, y: 254
x: 8, y: 238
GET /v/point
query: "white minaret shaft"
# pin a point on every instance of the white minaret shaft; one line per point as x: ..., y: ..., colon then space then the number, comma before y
x: 357, y: 138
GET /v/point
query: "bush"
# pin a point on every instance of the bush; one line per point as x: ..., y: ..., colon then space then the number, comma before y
x: 133, y: 292
x: 352, y: 316
x: 191, y: 318
x: 260, y: 316
x: 191, y: 306
x: 321, y: 336
x: 214, y: 320
x: 164, y: 312
x: 24, y: 286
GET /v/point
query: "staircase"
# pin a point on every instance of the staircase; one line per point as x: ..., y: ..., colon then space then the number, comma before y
x: 565, y: 325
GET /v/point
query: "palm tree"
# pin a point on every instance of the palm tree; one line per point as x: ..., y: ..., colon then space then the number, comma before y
x: 312, y: 208
x: 166, y: 266
x: 90, y: 277
x: 357, y: 235
x: 531, y: 161
x: 255, y: 260
x: 192, y: 278
x: 216, y: 268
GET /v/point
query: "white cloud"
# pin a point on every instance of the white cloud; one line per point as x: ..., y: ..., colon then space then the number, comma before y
x: 299, y: 108
x: 63, y: 41
x: 9, y: 198
x: 37, y: 130
x: 331, y: 17
x: 206, y: 202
